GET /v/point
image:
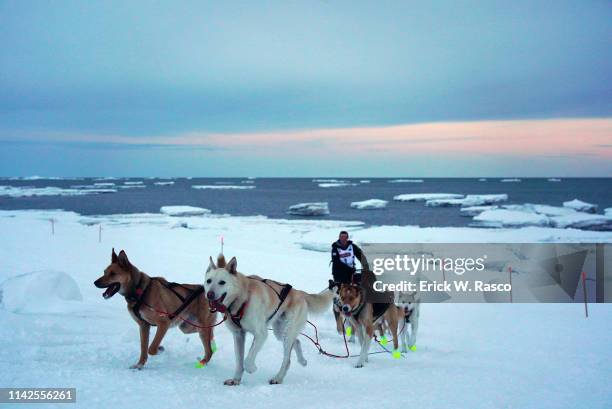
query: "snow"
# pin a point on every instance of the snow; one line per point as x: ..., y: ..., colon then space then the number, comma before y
x: 469, y: 355
x: 406, y: 181
x: 469, y: 200
x: 309, y: 209
x: 223, y: 187
x: 40, y: 292
x: 164, y: 183
x: 183, y: 210
x: 608, y: 211
x: 581, y: 206
x: 370, y: 204
x: 28, y: 191
x: 419, y: 197
x: 510, y: 180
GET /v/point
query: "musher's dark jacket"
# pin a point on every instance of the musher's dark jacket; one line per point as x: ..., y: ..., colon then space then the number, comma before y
x: 341, y: 271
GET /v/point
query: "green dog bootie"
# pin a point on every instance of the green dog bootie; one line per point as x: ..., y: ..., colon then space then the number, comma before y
x: 349, y: 331
x: 383, y: 340
x: 396, y: 354
x: 213, y: 346
x: 413, y: 348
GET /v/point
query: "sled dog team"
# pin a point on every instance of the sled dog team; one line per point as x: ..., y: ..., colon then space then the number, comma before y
x: 249, y: 304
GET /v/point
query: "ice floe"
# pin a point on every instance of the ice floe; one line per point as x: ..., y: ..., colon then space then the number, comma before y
x: 554, y: 180
x: 337, y: 184
x: 369, y: 204
x: 510, y: 218
x: 183, y: 210
x: 474, y: 210
x: 164, y: 183
x: 420, y: 197
x: 223, y: 187
x: 309, y: 209
x: 28, y: 191
x: 581, y: 206
x: 406, y: 181
x: 510, y: 180
x: 133, y: 183
x: 469, y: 200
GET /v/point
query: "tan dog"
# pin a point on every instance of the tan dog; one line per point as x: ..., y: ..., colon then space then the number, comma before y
x: 254, y: 304
x: 155, y: 301
x: 365, y: 316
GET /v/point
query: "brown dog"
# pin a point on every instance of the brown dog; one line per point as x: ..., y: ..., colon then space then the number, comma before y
x: 155, y: 301
x: 366, y: 316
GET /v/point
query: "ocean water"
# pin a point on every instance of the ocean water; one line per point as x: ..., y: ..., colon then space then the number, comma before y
x: 272, y: 196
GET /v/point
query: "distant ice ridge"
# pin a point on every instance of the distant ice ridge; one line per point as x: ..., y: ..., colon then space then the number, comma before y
x: 581, y: 206
x: 406, y: 181
x: 28, y: 191
x: 309, y: 209
x: 469, y: 200
x: 507, y: 180
x: 369, y: 204
x: 420, y: 197
x: 238, y: 187
x: 183, y: 210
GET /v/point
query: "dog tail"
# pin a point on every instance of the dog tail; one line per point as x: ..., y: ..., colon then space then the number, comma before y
x: 318, y: 303
x: 221, y: 261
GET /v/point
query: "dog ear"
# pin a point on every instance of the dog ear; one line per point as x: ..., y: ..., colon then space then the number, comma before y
x: 211, y: 265
x: 113, y: 256
x: 231, y: 266
x: 123, y: 260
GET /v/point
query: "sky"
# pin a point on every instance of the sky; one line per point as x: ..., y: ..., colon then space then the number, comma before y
x: 312, y: 88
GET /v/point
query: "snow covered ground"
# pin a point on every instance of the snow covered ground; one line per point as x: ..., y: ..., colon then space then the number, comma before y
x: 468, y: 356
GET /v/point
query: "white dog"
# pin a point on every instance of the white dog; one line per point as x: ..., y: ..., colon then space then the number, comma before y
x: 411, y: 304
x: 253, y: 304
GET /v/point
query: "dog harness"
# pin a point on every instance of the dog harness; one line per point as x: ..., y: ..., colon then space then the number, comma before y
x: 139, y: 293
x: 282, y: 296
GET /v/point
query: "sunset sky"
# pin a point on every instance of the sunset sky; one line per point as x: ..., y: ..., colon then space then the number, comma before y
x: 317, y: 88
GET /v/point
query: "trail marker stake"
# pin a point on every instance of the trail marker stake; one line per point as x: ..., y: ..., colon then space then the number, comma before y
x: 100, y: 233
x: 584, y: 290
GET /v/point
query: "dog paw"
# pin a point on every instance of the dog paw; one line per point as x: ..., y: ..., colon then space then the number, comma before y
x: 303, y: 362
x: 359, y: 365
x: 250, y: 367
x: 275, y: 381
x: 137, y: 366
x: 155, y: 351
x: 231, y: 382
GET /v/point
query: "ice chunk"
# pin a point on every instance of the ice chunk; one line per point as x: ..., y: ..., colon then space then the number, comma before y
x: 579, y: 220
x: 228, y: 187
x: 41, y: 292
x: 133, y: 183
x: 419, y: 197
x: 28, y: 191
x: 482, y: 179
x: 337, y: 184
x: 309, y: 209
x: 554, y: 180
x: 369, y: 204
x: 164, y: 183
x: 183, y: 210
x: 509, y: 180
x: 474, y: 210
x: 510, y: 218
x: 469, y: 200
x: 608, y: 211
x: 581, y: 206
x: 104, y: 184
x: 406, y: 181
